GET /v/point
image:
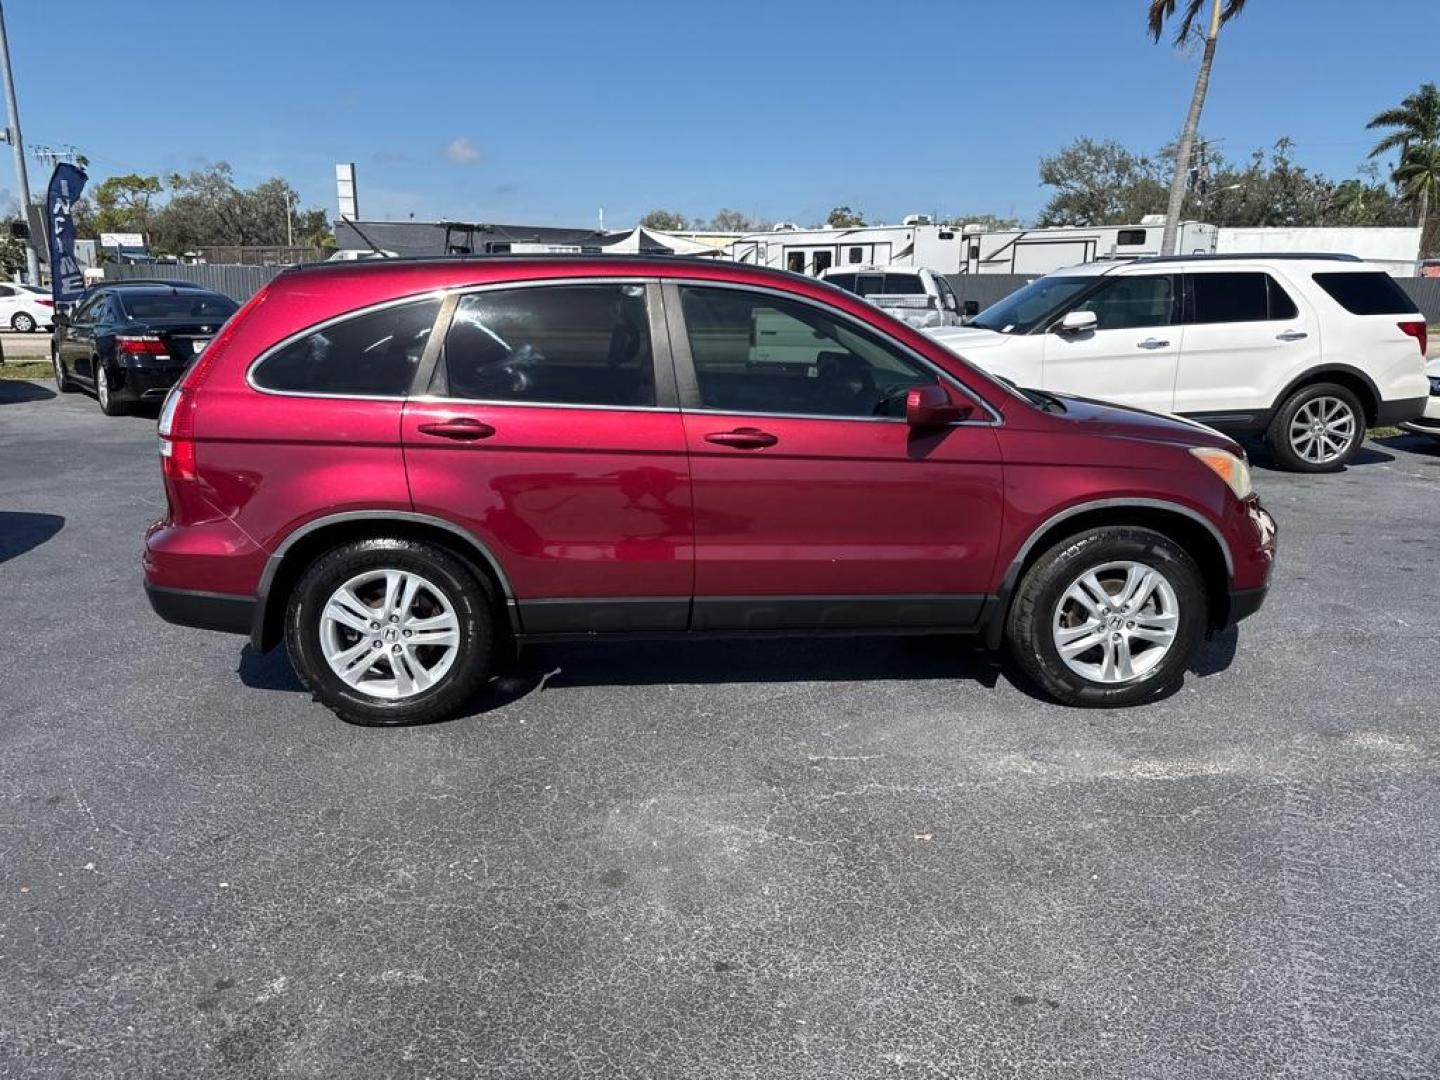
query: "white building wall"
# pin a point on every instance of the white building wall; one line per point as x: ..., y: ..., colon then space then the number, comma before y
x: 1398, y: 250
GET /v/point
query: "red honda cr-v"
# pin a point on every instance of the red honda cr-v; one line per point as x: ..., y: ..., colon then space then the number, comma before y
x: 403, y: 467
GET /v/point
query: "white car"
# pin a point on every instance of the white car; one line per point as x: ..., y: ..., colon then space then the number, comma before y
x: 1309, y: 350
x: 1429, y: 423
x: 25, y: 307
x: 913, y: 294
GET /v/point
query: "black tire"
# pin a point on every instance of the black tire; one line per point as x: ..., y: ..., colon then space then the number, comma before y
x: 63, y: 382
x: 110, y: 405
x: 468, y: 594
x: 1029, y: 625
x: 22, y: 323
x: 1279, y: 434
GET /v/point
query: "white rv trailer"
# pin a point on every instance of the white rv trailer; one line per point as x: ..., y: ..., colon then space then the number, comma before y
x: 813, y: 251
x: 950, y: 249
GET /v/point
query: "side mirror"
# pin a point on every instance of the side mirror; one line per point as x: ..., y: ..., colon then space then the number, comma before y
x: 60, y: 318
x: 969, y: 309
x: 932, y: 406
x: 1078, y: 322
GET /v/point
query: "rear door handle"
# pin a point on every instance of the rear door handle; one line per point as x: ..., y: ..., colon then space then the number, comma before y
x: 745, y: 438
x: 462, y: 428
x: 1291, y: 335
x: 1152, y: 343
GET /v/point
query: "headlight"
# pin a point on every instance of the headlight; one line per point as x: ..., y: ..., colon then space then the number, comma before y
x: 1435, y: 385
x: 1233, y: 470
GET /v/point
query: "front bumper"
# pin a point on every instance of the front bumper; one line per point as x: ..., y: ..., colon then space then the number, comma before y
x: 1245, y: 602
x: 1429, y: 422
x: 204, y: 610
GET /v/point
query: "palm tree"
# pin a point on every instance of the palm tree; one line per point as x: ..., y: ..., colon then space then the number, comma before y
x: 1418, y: 177
x: 1221, y: 11
x: 1414, y: 125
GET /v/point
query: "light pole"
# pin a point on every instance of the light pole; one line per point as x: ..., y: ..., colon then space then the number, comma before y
x: 17, y: 144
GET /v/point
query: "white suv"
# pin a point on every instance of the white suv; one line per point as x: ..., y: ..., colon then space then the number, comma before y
x: 1309, y: 350
x: 913, y: 294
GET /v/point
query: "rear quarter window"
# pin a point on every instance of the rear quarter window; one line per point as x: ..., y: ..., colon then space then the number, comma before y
x: 1367, y: 293
x: 374, y: 354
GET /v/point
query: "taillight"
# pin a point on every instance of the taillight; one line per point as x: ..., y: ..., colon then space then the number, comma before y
x: 44, y: 303
x: 1418, y: 331
x: 141, y: 345
x: 177, y: 416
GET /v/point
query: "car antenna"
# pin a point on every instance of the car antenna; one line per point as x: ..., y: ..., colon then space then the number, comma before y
x: 378, y: 251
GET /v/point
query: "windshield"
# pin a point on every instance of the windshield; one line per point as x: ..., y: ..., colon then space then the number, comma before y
x: 1027, y: 308
x: 178, y: 305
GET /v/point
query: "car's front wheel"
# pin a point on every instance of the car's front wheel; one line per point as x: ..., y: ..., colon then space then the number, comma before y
x: 22, y: 323
x: 1318, y: 428
x: 390, y: 631
x: 1108, y: 617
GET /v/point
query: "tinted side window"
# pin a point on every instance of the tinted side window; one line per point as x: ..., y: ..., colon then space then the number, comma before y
x: 552, y: 344
x: 764, y: 354
x: 1240, y: 296
x: 1126, y: 303
x: 374, y: 354
x: 1368, y: 293
x: 841, y: 281
x: 1130, y: 237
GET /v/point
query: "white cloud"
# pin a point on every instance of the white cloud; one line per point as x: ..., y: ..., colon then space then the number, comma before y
x: 462, y: 151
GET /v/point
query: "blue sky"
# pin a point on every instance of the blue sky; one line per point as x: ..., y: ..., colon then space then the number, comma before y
x: 541, y: 113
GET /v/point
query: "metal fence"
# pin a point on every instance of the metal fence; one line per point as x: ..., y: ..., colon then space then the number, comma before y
x: 237, y: 282
x: 1425, y: 292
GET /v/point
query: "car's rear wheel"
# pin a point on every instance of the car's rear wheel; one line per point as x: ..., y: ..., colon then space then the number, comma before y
x: 1318, y: 428
x: 1109, y: 617
x: 390, y: 631
x: 62, y: 377
x: 22, y: 322
x: 110, y: 405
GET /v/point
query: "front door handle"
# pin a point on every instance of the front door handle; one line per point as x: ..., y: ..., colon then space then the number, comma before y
x: 1152, y: 343
x: 745, y: 438
x: 1291, y: 335
x: 462, y: 428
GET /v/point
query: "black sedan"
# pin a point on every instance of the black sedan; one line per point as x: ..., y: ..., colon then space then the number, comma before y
x: 130, y: 342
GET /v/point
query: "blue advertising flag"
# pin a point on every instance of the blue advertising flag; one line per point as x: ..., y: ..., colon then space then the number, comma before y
x: 67, y: 281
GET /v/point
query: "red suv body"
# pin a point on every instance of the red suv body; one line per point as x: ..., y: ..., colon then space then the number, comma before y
x: 511, y: 449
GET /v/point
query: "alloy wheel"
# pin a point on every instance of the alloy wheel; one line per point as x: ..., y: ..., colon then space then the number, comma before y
x: 1323, y: 430
x: 389, y: 633
x: 1116, y: 622
x: 102, y: 387
x: 22, y: 323
x: 59, y: 370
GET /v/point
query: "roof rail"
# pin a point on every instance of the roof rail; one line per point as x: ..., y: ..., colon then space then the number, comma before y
x: 1221, y: 257
x: 379, y: 264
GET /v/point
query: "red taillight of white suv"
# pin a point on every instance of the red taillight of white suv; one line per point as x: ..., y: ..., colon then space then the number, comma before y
x: 1420, y: 333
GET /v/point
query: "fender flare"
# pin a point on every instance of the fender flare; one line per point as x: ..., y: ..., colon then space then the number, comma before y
x: 409, y: 517
x: 996, y: 623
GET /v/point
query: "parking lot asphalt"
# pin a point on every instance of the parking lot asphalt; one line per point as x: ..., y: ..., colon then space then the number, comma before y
x: 868, y: 858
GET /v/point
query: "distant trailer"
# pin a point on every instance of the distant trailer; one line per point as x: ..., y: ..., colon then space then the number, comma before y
x: 954, y: 249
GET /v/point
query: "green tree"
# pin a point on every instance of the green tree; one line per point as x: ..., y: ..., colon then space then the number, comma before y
x: 663, y: 220
x: 1414, y: 125
x: 124, y: 203
x: 1221, y: 12
x: 1100, y: 183
x: 842, y: 217
x: 987, y: 222
x: 1419, y: 178
x: 736, y: 221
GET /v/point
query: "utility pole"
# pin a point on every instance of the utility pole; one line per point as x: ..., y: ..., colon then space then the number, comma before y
x: 17, y: 144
